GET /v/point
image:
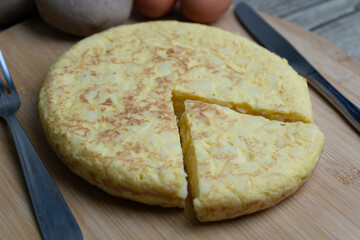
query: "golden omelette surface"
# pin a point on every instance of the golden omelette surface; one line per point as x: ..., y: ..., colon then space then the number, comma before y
x: 107, y: 105
x: 239, y: 164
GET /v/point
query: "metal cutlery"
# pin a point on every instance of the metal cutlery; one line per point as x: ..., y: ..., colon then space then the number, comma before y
x: 53, y: 214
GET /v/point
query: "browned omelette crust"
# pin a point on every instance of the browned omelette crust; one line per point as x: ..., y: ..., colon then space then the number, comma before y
x: 229, y: 212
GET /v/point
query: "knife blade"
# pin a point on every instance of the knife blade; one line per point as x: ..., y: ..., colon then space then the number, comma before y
x: 277, y: 44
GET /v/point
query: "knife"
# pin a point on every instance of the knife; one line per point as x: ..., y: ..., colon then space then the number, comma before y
x: 274, y: 42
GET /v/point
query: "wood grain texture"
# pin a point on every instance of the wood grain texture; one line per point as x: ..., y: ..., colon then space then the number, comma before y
x: 322, y: 14
x: 281, y: 8
x: 326, y: 207
x: 345, y: 33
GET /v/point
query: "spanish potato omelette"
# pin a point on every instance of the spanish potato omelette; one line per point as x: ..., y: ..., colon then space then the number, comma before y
x: 107, y: 105
x: 239, y: 164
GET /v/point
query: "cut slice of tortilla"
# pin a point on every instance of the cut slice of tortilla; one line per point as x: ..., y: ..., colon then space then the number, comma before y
x: 239, y: 164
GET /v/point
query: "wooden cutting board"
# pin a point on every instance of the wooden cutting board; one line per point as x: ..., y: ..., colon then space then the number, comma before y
x: 326, y: 207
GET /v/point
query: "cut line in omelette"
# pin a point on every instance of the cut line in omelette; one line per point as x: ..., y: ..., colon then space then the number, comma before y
x: 239, y: 164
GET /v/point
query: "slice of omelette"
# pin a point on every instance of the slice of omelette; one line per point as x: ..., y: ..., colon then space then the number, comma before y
x: 107, y: 105
x: 239, y: 164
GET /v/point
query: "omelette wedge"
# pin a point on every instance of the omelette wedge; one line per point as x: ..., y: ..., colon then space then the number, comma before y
x: 239, y: 164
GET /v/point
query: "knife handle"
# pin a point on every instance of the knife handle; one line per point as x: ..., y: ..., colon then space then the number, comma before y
x: 339, y: 101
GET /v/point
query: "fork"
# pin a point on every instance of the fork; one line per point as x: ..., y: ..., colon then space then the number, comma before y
x: 53, y: 214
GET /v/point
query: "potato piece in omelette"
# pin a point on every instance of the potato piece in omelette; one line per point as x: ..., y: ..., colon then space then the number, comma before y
x: 239, y: 164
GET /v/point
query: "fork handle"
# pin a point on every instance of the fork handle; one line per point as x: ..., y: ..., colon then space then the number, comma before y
x: 53, y: 214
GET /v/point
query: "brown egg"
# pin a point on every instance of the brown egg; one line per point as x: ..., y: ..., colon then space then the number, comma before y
x: 154, y: 8
x: 204, y: 11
